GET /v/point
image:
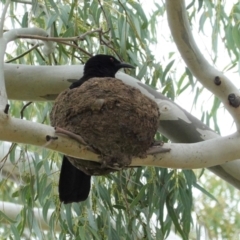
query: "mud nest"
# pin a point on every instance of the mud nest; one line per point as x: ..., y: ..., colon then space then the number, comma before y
x: 115, y: 119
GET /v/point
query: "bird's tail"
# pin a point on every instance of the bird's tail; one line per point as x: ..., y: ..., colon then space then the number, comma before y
x: 74, y: 185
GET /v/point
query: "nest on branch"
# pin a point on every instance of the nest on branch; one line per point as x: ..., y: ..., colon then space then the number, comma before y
x: 115, y: 119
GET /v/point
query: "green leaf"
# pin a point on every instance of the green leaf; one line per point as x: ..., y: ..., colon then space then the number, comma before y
x: 51, y: 20
x: 25, y: 20
x: 82, y: 232
x: 196, y: 185
x: 139, y: 196
x: 69, y: 217
x: 54, y: 6
x: 174, y: 217
x: 45, y: 209
x: 94, y: 233
x: 123, y: 36
x: 119, y: 207
x: 15, y: 232
x: 235, y: 36
x: 190, y: 177
x: 64, y: 15
x: 200, y: 4
x: 142, y: 71
x: 6, y: 218
x: 166, y: 70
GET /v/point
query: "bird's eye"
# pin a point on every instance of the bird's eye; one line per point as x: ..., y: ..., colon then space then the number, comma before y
x: 111, y: 59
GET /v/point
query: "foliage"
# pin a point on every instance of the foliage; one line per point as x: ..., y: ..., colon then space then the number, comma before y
x: 140, y: 203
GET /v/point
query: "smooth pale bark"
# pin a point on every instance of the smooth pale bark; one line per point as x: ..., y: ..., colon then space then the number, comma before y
x: 3, y: 93
x: 175, y: 123
x: 194, y: 59
x: 205, y: 73
x: 197, y: 155
x: 4, y: 40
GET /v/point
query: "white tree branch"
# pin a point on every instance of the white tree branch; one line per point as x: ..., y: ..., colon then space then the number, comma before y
x: 48, y: 82
x: 27, y: 132
x: 3, y: 17
x: 196, y: 155
x: 4, y: 40
x: 13, y: 34
x: 41, y: 83
x: 199, y: 66
x: 3, y: 93
x: 3, y: 44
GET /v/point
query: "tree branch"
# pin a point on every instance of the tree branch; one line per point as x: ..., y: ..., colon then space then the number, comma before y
x: 3, y: 93
x: 3, y: 17
x: 23, y: 54
x: 60, y: 39
x: 3, y: 45
x: 199, y: 66
x: 196, y: 155
x: 13, y: 34
x: 27, y: 132
x: 175, y: 123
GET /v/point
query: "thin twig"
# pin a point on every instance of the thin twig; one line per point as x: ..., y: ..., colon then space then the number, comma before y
x: 55, y: 60
x: 23, y: 54
x: 75, y: 46
x: 64, y: 40
x: 104, y: 13
x: 103, y: 42
x: 23, y: 109
x: 40, y: 54
x: 24, y: 2
x: 57, y: 39
x: 82, y: 37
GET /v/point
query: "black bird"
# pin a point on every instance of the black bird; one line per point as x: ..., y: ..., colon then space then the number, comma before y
x: 74, y: 185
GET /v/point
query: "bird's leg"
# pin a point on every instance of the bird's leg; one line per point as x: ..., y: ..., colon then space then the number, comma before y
x: 72, y: 135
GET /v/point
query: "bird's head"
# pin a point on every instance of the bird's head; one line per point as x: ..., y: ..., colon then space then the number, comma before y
x: 104, y: 66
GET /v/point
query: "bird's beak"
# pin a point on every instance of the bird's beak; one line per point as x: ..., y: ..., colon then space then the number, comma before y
x: 124, y: 65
